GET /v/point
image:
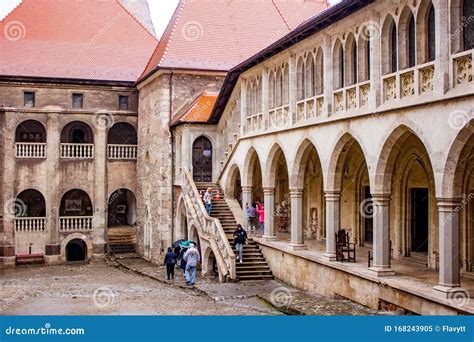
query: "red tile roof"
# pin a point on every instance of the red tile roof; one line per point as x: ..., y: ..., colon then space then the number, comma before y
x: 217, y: 35
x: 87, y: 39
x: 199, y: 111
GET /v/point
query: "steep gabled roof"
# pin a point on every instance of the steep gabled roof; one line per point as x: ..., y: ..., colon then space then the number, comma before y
x: 217, y: 35
x: 311, y: 26
x: 83, y: 40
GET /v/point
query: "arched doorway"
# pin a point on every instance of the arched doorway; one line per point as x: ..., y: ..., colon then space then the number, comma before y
x: 75, y: 211
x: 234, y: 188
x: 202, y: 160
x: 76, y: 250
x: 30, y: 203
x: 77, y: 132
x: 122, y: 209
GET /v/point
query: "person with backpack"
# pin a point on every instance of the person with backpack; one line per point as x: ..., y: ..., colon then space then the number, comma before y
x: 170, y: 262
x: 192, y: 259
x: 240, y: 238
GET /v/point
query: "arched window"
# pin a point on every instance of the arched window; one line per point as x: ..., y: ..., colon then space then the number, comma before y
x: 75, y: 203
x: 122, y: 133
x: 271, y: 90
x: 431, y: 37
x: 30, y: 203
x: 30, y: 131
x: 426, y: 33
x: 468, y: 24
x: 202, y: 160
x: 393, y: 49
x: 77, y: 132
x: 338, y: 61
x: 319, y: 79
x: 411, y: 42
x: 309, y: 76
x: 351, y: 60
x: 259, y: 96
x: 300, y: 79
x: 279, y: 88
x: 286, y: 85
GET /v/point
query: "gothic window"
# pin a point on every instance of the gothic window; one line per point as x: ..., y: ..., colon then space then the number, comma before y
x: 393, y: 48
x: 271, y: 92
x: 286, y: 85
x: 279, y: 88
x: 309, y: 76
x: 411, y: 42
x: 300, y: 81
x: 338, y: 57
x: 431, y: 34
x: 341, y: 66
x: 468, y: 24
x: 319, y: 78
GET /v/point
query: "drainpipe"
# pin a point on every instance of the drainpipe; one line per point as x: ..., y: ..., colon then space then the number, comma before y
x: 172, y: 160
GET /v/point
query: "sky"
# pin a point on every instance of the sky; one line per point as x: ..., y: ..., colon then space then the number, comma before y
x: 161, y: 11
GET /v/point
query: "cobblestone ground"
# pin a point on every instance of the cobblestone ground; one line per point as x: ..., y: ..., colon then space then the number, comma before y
x: 99, y: 289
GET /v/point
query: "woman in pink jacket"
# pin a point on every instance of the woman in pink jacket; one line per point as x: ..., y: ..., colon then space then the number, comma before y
x: 261, y: 216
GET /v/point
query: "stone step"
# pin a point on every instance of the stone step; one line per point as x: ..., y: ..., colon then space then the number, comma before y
x: 255, y: 277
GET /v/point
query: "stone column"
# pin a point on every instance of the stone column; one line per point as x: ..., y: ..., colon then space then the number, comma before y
x: 449, y: 278
x: 328, y: 85
x: 297, y: 235
x: 269, y: 203
x: 375, y: 67
x: 381, y: 251
x: 333, y: 223
x: 100, y: 192
x: 442, y: 40
x: 265, y: 99
x: 52, y: 195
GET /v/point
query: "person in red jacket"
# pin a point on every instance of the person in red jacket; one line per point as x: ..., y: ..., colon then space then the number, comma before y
x: 261, y: 216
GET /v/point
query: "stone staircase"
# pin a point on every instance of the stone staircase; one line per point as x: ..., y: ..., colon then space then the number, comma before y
x: 254, y: 265
x: 122, y: 240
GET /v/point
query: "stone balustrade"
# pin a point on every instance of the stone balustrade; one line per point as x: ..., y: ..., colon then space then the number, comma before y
x: 75, y: 224
x: 77, y: 151
x: 30, y: 224
x: 30, y: 150
x: 122, y: 152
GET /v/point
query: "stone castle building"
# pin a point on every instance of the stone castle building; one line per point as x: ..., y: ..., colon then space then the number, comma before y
x: 354, y: 117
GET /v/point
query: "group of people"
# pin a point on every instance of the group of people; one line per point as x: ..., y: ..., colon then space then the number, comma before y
x: 188, y: 259
x: 255, y: 215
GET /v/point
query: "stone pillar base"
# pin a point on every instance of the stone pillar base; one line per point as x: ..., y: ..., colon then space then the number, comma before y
x: 450, y: 291
x: 382, y: 271
x: 269, y: 238
x: 99, y: 249
x: 297, y: 246
x: 52, y: 260
x: 7, y: 262
x: 329, y: 256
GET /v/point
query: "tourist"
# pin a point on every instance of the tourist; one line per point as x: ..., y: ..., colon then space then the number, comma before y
x: 240, y: 238
x: 251, y: 218
x: 170, y: 262
x: 208, y: 200
x: 192, y: 260
x: 182, y: 261
x: 261, y: 216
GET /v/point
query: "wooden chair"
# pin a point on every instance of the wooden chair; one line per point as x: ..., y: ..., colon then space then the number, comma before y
x: 345, y: 250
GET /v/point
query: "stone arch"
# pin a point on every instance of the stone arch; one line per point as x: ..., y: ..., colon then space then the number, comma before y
x: 122, y: 208
x: 269, y: 174
x: 307, y: 175
x: 234, y: 184
x: 181, y: 220
x: 209, y: 263
x: 453, y: 169
x: 30, y: 131
x: 76, y: 202
x: 77, y: 132
x: 122, y: 133
x: 76, y: 236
